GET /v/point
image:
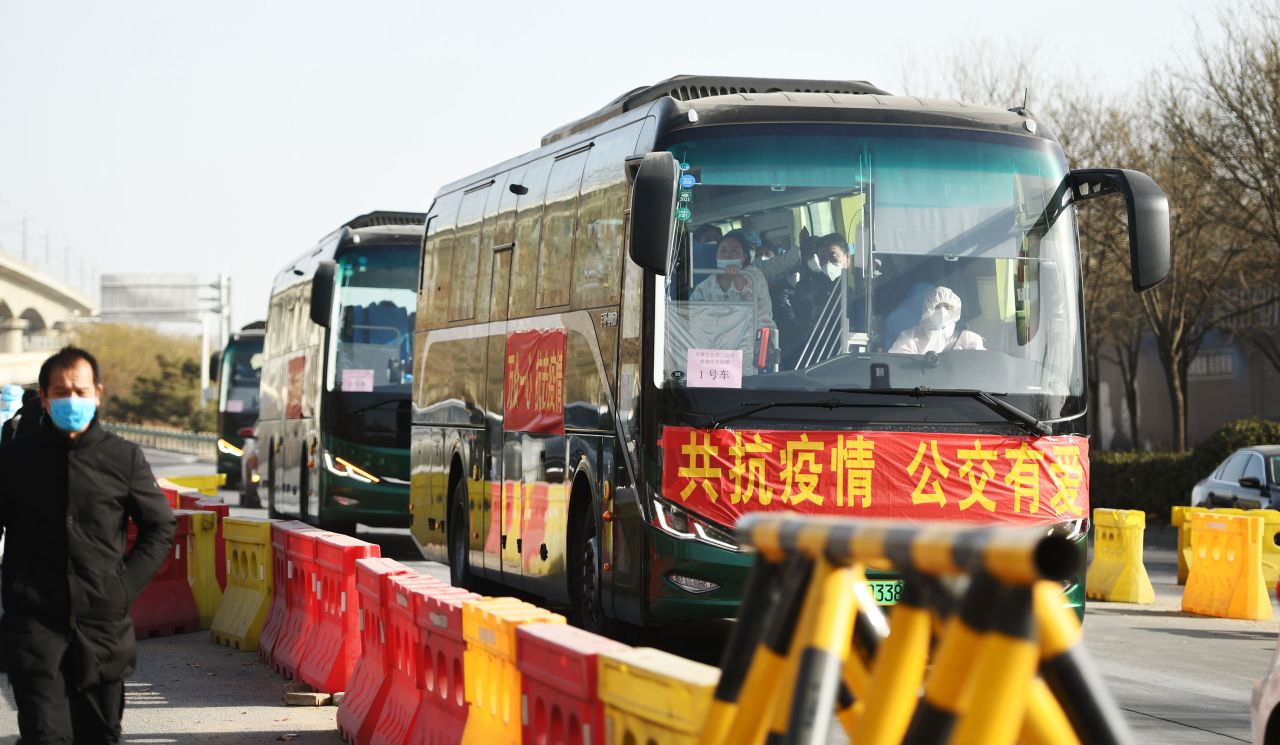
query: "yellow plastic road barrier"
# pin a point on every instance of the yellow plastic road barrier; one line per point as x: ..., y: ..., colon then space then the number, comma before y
x: 1180, y: 518
x: 1117, y: 573
x: 1270, y: 550
x: 492, y: 680
x: 248, y: 597
x: 651, y: 696
x: 1226, y: 567
x: 206, y: 484
x: 202, y: 567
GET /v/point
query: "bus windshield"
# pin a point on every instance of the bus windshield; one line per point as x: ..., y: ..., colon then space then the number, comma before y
x: 376, y: 304
x: 241, y: 373
x: 813, y: 258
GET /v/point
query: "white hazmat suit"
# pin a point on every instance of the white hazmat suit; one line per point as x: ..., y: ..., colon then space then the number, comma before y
x: 936, y: 331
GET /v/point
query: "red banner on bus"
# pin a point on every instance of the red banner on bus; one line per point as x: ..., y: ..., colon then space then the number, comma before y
x: 722, y: 474
x: 535, y: 382
x: 297, y: 380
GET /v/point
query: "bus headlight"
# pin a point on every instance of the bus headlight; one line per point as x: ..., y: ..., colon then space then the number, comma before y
x: 229, y: 449
x: 686, y: 526
x: 342, y: 467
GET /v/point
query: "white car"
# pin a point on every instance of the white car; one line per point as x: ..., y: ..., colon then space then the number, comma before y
x: 1266, y: 702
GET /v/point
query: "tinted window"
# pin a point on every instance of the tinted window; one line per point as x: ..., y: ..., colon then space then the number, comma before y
x: 1254, y: 468
x: 1274, y: 463
x: 558, y: 230
x: 1234, y: 468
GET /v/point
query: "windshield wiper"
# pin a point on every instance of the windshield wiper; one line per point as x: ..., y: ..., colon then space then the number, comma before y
x: 749, y: 408
x: 376, y: 405
x: 1007, y: 410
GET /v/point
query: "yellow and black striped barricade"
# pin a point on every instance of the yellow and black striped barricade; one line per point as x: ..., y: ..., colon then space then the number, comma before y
x: 1004, y: 669
x: 244, y: 607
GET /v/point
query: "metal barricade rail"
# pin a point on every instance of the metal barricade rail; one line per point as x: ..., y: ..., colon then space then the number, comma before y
x: 203, y: 444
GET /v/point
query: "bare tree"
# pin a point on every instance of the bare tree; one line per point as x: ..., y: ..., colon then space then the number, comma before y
x: 1233, y: 125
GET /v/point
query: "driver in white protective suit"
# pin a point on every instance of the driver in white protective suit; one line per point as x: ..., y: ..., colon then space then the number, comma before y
x: 936, y: 331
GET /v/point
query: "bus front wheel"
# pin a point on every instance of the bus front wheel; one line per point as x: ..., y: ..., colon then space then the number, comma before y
x: 585, y: 577
x: 459, y: 530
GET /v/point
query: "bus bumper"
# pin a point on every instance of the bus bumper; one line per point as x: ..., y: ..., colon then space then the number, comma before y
x: 673, y: 562
x: 383, y: 505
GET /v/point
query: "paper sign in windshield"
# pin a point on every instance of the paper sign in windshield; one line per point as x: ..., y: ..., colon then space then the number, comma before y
x: 357, y: 380
x: 235, y: 406
x: 714, y: 368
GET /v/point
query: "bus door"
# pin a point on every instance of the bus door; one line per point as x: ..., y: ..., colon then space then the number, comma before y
x: 501, y: 554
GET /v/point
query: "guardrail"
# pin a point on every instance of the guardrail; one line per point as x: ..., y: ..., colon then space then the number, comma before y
x: 204, y: 444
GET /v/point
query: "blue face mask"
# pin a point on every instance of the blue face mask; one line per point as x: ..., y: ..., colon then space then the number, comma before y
x: 72, y: 414
x: 726, y: 263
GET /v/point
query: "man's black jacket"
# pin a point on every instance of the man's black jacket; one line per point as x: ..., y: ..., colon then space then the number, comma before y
x: 64, y: 511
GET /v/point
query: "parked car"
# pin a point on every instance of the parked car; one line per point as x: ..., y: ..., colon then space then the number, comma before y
x: 1249, y: 478
x: 249, y: 476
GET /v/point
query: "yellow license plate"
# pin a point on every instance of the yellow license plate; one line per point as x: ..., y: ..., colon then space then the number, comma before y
x: 886, y: 591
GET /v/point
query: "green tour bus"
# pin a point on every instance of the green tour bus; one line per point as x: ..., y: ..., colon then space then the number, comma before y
x: 239, y: 374
x: 333, y: 433
x: 717, y: 295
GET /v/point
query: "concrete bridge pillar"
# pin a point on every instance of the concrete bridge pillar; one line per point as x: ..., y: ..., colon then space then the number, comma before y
x: 12, y: 331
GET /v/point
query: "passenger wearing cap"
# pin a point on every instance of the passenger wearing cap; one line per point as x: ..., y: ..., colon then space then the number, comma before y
x: 936, y: 331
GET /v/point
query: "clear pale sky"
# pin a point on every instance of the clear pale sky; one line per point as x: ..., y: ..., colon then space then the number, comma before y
x: 172, y: 136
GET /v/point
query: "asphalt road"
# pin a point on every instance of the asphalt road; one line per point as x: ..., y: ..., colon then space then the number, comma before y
x: 1178, y: 678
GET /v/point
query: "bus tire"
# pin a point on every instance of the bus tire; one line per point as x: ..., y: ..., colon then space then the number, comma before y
x: 272, y: 485
x: 459, y: 546
x: 584, y: 577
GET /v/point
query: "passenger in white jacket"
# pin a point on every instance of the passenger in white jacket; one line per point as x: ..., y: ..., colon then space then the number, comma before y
x: 936, y: 331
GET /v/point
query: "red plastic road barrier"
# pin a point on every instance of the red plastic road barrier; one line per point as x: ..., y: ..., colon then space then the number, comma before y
x: 222, y: 509
x: 366, y: 692
x: 334, y: 645
x: 277, y: 615
x: 302, y: 614
x: 442, y: 715
x: 558, y: 700
x: 166, y: 606
x: 407, y: 660
x: 188, y: 498
x: 171, y: 496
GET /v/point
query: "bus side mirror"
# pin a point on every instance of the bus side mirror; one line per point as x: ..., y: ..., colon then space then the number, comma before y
x: 322, y: 293
x: 653, y: 205
x: 1148, y: 210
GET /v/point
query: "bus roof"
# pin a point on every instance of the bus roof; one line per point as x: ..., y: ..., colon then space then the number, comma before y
x: 697, y: 87
x: 726, y: 100
x: 380, y: 226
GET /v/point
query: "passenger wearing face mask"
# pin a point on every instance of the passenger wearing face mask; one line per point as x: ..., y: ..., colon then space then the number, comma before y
x: 936, y: 331
x: 69, y: 491
x: 737, y: 280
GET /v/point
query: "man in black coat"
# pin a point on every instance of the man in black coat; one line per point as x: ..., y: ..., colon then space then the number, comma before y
x: 67, y: 495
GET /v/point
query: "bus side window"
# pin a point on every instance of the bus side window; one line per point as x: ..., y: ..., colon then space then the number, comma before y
x: 437, y: 263
x: 597, y: 268
x: 558, y: 232
x: 528, y: 235
x: 462, y: 294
